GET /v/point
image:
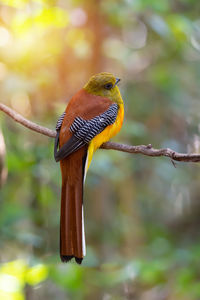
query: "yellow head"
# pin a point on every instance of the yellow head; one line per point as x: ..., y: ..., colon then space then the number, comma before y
x: 105, y: 85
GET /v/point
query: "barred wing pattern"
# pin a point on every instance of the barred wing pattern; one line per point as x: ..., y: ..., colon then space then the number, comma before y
x: 87, y: 130
x: 59, y: 122
x: 84, y: 131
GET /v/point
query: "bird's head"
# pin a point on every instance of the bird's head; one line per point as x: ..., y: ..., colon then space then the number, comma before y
x: 104, y: 85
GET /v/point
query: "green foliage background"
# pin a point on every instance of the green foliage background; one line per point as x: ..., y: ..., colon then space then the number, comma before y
x: 142, y: 215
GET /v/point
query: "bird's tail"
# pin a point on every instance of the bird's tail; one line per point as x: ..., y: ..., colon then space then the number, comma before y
x: 72, y: 235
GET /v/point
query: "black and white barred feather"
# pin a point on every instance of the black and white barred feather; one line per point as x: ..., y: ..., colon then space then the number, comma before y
x: 86, y: 130
x: 83, y: 131
x: 59, y: 122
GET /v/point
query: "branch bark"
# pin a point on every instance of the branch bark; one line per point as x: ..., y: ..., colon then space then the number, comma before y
x: 141, y: 149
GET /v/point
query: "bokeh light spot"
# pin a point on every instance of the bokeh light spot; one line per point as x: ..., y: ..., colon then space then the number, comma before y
x: 114, y: 48
x: 82, y: 49
x: 36, y: 274
x: 52, y: 17
x: 4, y: 37
x: 78, y: 17
x: 9, y: 283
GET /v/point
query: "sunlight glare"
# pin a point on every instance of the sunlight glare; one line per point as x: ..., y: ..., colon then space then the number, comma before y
x: 9, y: 283
x: 5, y: 37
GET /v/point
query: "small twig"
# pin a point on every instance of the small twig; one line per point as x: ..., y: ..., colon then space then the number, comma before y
x: 142, y: 149
x: 173, y: 163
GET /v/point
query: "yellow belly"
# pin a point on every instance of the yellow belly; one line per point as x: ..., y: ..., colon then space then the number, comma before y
x: 105, y: 135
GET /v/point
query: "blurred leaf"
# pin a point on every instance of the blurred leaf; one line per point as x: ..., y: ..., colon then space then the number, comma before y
x: 36, y: 274
x: 153, y: 272
x: 69, y: 276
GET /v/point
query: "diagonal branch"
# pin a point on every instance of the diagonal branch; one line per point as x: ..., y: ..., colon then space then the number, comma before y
x: 142, y: 149
x: 18, y: 118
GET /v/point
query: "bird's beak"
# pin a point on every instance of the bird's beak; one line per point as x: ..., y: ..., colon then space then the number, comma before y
x: 117, y: 80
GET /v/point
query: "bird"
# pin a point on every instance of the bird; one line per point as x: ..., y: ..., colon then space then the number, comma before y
x: 93, y: 116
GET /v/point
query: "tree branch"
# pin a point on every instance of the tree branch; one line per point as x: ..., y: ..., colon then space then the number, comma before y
x: 18, y: 118
x: 142, y: 149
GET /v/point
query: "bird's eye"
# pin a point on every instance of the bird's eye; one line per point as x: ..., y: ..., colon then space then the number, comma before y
x: 108, y: 86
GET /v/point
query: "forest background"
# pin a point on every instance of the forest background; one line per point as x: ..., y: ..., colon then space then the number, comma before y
x: 142, y: 215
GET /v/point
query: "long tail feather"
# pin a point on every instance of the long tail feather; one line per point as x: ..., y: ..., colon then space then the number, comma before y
x: 72, y: 235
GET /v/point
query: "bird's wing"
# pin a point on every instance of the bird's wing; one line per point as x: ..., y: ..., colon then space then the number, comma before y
x: 58, y: 126
x: 83, y: 131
